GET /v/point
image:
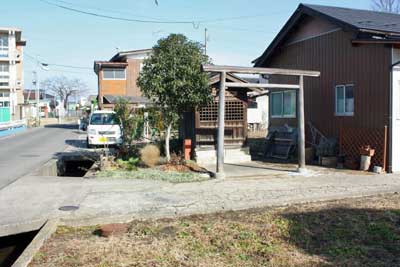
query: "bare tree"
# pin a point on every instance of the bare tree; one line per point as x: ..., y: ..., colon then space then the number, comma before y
x: 64, y: 88
x: 391, y: 6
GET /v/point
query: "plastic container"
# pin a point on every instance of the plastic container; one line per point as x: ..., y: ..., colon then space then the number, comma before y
x: 365, y: 163
x: 378, y: 169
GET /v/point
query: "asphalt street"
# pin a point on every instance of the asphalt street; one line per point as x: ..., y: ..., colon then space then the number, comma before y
x: 28, y: 150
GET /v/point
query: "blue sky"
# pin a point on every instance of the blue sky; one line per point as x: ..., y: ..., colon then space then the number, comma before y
x: 62, y: 37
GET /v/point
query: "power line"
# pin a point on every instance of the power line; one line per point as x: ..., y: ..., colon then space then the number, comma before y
x: 56, y: 65
x: 106, y: 10
x: 195, y: 22
x: 62, y: 71
x: 69, y: 66
x: 117, y: 18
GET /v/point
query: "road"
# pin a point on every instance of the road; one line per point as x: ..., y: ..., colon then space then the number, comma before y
x: 26, y: 151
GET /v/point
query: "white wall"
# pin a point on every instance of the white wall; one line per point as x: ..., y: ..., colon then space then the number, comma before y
x: 395, y: 131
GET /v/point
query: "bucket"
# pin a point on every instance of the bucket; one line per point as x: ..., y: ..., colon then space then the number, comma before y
x: 365, y: 163
x: 378, y: 169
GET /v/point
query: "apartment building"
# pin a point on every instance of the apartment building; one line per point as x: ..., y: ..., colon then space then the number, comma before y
x: 11, y: 74
x: 118, y: 78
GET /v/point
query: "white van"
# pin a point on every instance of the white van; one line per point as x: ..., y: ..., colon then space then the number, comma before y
x: 103, y: 129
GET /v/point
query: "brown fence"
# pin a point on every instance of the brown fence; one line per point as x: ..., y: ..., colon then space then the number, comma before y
x: 352, y: 139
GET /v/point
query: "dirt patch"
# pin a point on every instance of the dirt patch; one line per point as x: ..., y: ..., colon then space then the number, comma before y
x: 186, y: 167
x: 355, y: 232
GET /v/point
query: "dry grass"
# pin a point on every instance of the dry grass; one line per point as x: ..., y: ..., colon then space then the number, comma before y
x: 153, y: 174
x: 358, y: 232
x: 150, y: 155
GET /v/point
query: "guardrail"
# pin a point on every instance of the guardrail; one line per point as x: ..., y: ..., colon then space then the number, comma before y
x: 12, y: 124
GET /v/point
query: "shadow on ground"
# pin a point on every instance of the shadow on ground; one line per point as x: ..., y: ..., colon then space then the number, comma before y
x: 261, y: 167
x: 63, y: 126
x: 76, y: 143
x: 348, y: 237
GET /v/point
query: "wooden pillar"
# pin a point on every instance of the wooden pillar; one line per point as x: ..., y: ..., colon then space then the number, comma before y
x: 301, y: 127
x: 221, y: 127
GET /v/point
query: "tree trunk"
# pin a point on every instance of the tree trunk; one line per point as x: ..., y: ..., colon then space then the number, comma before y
x: 167, y: 138
x: 65, y: 102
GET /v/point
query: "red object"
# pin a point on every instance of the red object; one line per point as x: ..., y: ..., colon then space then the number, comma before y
x: 187, y: 148
x: 367, y: 151
x: 113, y: 229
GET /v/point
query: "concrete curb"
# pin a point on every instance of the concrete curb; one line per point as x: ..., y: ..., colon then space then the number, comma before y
x: 23, y: 227
x: 174, y: 213
x: 45, y: 233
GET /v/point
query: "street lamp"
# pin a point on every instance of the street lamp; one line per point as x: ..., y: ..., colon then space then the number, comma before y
x: 43, y: 66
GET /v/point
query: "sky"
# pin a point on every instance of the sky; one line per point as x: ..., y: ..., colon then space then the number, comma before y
x: 238, y: 30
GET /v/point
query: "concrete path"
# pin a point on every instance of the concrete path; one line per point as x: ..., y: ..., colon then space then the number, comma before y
x: 28, y: 150
x: 31, y: 200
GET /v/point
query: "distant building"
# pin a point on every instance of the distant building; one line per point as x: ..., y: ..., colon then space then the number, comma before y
x: 117, y: 78
x: 11, y: 74
x: 47, y: 103
x: 258, y: 107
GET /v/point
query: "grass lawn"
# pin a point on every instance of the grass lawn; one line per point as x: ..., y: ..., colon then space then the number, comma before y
x: 153, y: 174
x: 354, y: 232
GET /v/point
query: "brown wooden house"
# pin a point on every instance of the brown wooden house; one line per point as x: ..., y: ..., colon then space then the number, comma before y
x: 117, y: 78
x: 201, y: 125
x: 357, y: 97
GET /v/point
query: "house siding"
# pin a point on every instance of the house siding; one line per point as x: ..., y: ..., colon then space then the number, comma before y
x: 112, y: 87
x: 366, y: 66
x: 133, y: 71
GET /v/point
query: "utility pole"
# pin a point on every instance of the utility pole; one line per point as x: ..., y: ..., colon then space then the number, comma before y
x: 205, y: 41
x: 35, y: 81
x: 37, y: 96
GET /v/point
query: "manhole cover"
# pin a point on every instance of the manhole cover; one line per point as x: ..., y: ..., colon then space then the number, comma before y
x: 68, y: 208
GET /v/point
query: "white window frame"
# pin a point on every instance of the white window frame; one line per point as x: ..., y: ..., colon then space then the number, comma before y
x: 114, y: 79
x: 345, y: 113
x: 283, y: 103
x: 4, y: 75
x: 2, y: 45
x: 4, y: 49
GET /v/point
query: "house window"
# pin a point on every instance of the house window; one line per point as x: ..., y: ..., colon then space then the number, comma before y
x: 4, y: 67
x: 4, y: 71
x: 4, y: 104
x: 114, y: 74
x: 3, y: 45
x: 344, y: 100
x: 283, y: 104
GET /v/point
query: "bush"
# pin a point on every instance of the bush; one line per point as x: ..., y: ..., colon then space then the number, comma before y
x: 150, y: 155
x: 130, y: 164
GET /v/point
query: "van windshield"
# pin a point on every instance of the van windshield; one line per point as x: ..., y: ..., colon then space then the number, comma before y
x: 104, y: 119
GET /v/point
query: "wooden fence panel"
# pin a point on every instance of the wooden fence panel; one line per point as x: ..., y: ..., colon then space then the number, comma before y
x: 352, y: 139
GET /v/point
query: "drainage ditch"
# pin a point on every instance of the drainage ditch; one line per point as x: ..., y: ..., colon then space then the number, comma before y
x: 11, y: 247
x: 75, y: 168
x: 69, y: 165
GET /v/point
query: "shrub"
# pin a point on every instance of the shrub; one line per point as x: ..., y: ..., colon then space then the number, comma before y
x: 130, y: 164
x: 150, y: 155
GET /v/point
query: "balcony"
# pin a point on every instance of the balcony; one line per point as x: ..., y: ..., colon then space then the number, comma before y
x: 6, y: 55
